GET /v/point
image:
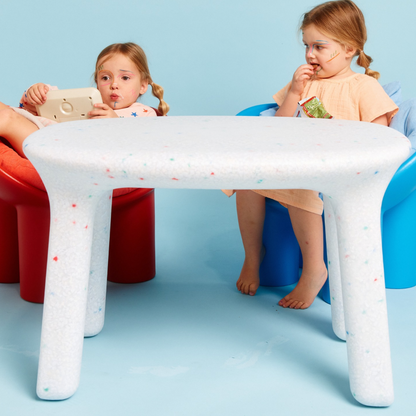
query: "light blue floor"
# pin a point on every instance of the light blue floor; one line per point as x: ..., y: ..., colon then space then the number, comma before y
x: 187, y: 343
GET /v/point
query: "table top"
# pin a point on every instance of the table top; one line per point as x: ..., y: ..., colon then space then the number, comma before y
x: 214, y: 152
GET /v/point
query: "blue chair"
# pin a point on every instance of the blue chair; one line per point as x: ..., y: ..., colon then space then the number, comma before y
x: 283, y: 259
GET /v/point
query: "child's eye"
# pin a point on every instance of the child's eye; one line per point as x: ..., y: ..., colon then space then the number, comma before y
x: 105, y: 78
x: 125, y: 78
x: 318, y: 47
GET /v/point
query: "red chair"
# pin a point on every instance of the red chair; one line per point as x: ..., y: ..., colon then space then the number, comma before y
x: 24, y: 229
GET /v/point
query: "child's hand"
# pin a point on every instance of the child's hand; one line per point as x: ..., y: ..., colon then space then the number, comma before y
x: 300, y: 77
x: 36, y: 94
x: 102, y: 111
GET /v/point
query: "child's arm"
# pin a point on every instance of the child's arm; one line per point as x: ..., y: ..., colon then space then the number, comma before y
x: 102, y: 110
x: 290, y: 103
x: 381, y: 120
x: 35, y: 95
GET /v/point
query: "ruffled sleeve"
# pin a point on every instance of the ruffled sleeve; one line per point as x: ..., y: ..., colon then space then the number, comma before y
x: 373, y: 100
x: 280, y: 96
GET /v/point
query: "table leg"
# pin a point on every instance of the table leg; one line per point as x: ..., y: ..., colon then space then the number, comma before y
x: 68, y: 269
x: 337, y: 307
x: 97, y: 286
x: 364, y: 297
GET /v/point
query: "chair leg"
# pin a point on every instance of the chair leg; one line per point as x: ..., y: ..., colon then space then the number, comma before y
x: 280, y: 266
x: 9, y: 263
x: 132, y: 241
x: 33, y: 231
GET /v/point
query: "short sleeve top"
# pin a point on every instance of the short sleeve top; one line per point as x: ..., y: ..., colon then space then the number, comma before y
x: 136, y: 110
x: 357, y: 97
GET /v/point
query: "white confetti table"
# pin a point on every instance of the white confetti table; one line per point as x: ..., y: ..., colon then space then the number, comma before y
x: 351, y: 163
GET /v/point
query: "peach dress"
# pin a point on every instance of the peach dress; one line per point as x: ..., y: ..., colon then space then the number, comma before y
x: 357, y: 97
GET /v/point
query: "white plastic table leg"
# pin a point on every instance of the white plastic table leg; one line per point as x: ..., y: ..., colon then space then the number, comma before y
x: 97, y: 287
x: 337, y: 307
x: 66, y: 291
x: 364, y: 296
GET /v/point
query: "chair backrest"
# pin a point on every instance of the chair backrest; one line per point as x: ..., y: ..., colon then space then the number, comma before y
x: 18, y: 168
x: 256, y: 109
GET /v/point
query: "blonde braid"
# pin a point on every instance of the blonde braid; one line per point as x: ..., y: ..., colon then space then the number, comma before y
x: 364, y: 60
x: 157, y: 91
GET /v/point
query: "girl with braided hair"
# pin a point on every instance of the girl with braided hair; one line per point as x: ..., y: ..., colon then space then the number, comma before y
x: 122, y: 75
x: 333, y: 34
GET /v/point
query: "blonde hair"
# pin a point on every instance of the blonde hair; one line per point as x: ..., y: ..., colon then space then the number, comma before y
x: 136, y: 54
x: 343, y: 22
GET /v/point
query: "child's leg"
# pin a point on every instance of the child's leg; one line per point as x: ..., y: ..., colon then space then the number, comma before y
x: 309, y: 233
x: 251, y: 212
x: 15, y: 128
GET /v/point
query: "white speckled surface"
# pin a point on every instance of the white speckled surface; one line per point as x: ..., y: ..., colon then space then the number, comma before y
x: 80, y: 162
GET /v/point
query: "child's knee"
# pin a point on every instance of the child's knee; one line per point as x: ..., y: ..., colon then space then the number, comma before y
x: 7, y: 114
x: 2, y: 106
x: 8, y: 117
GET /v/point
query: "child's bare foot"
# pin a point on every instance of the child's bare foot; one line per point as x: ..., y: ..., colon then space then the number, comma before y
x: 249, y: 280
x: 305, y: 292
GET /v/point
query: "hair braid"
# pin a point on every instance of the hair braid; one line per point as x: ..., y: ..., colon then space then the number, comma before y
x: 157, y: 91
x: 365, y: 60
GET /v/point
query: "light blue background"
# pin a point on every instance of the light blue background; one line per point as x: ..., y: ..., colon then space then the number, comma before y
x: 214, y: 57
x: 242, y: 355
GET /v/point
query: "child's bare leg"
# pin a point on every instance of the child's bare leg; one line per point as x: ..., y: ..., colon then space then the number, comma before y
x: 251, y: 212
x: 15, y: 128
x: 309, y: 233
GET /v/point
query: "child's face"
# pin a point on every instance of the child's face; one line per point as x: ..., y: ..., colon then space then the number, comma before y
x: 119, y: 82
x: 329, y: 58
